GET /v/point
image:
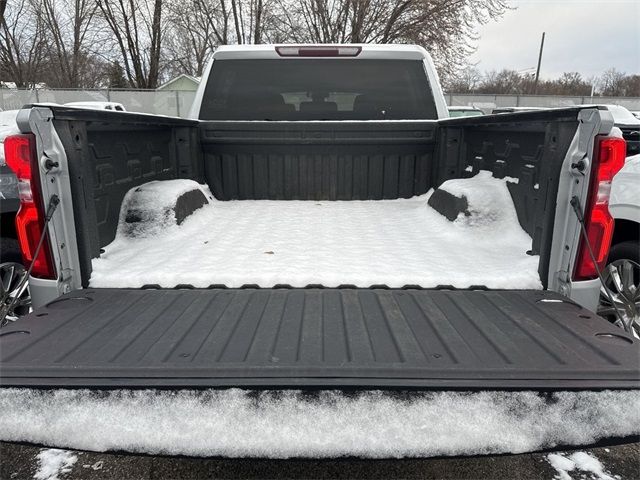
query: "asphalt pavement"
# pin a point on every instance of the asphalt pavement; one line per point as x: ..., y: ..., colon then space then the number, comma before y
x: 18, y: 461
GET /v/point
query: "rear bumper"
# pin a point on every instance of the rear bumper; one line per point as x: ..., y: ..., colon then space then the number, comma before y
x: 42, y: 291
x: 586, y: 293
x: 622, y: 460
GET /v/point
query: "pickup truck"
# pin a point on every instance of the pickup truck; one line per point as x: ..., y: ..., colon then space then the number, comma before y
x: 338, y: 154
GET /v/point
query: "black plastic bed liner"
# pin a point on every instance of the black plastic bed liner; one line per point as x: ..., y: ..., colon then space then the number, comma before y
x: 335, y: 338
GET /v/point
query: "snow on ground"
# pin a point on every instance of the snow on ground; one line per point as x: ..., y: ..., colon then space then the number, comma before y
x: 53, y: 462
x: 283, y: 424
x: 362, y: 243
x: 588, y: 466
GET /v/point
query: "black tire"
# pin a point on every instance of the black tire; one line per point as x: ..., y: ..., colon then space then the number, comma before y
x: 629, y: 250
x: 10, y: 250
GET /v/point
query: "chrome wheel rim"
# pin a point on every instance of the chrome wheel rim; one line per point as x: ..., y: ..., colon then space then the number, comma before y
x: 14, y: 292
x: 622, y: 278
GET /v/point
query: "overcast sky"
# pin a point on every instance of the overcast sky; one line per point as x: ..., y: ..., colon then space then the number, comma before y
x: 586, y: 36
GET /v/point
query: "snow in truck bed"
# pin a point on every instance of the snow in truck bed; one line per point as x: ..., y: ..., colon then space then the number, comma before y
x: 331, y: 243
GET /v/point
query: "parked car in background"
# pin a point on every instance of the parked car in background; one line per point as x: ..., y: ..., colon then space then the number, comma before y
x: 515, y: 109
x: 118, y: 107
x: 7, y: 127
x: 629, y: 125
x: 9, y: 201
x: 455, y: 112
x: 622, y: 273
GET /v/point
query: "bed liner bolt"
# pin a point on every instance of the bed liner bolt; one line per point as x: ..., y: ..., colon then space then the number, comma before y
x: 579, y: 165
x: 50, y: 164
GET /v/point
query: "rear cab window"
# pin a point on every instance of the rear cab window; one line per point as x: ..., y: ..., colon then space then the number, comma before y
x: 318, y: 89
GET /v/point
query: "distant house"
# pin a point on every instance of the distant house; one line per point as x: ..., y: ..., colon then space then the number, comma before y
x: 183, y: 82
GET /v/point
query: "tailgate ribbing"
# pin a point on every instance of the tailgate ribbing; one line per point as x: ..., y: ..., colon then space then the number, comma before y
x: 317, y: 337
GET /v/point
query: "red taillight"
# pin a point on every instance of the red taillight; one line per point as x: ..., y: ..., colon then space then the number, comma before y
x: 609, y: 158
x: 318, y: 51
x: 20, y: 155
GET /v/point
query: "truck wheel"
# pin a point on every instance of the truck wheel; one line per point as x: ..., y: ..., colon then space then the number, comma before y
x: 15, y: 299
x: 622, y: 277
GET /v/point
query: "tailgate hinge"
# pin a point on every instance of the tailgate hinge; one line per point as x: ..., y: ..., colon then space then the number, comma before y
x: 564, y: 282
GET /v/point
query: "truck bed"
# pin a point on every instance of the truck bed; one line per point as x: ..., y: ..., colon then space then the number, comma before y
x: 266, y: 243
x: 109, y: 154
x: 338, y: 338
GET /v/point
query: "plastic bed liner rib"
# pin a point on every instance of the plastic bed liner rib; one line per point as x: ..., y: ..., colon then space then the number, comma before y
x: 337, y: 338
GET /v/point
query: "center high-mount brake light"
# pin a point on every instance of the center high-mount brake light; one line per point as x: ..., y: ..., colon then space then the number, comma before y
x: 317, y: 51
x: 609, y: 158
x: 20, y: 154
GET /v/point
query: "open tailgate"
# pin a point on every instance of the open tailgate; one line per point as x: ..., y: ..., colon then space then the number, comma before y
x: 338, y: 338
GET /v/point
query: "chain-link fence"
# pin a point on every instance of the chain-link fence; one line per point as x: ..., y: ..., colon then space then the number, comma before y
x: 488, y: 102
x: 178, y: 103
x: 162, y: 102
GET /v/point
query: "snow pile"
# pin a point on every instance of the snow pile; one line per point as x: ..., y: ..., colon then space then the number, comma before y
x: 283, y: 424
x: 148, y: 210
x: 53, y: 462
x: 362, y: 243
x: 489, y: 200
x: 578, y: 461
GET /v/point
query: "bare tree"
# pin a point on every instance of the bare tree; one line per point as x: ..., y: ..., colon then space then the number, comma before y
x: 70, y: 41
x: 21, y: 45
x: 512, y: 82
x: 252, y: 19
x: 445, y: 27
x: 612, y: 83
x: 631, y: 86
x: 257, y: 24
x: 467, y: 80
x: 196, y: 28
x: 504, y: 82
x: 3, y: 7
x: 137, y: 27
x: 569, y: 83
x: 236, y: 8
x: 88, y: 43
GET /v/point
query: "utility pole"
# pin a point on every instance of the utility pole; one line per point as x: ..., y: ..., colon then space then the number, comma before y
x: 535, y: 83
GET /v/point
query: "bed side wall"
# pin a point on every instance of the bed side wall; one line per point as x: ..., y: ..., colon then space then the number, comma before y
x: 109, y: 155
x: 528, y: 148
